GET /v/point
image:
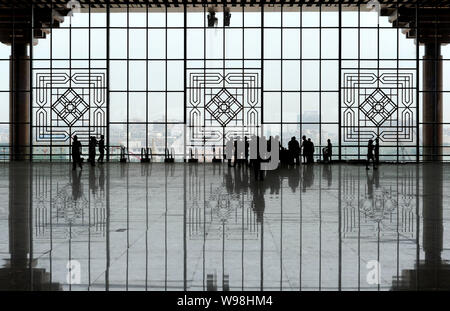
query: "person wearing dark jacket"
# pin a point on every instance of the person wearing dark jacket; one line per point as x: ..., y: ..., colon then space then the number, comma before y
x: 310, y: 156
x: 370, y: 149
x: 377, y: 151
x: 101, y: 148
x: 304, y: 147
x: 294, y: 151
x: 92, y: 145
x: 76, y: 153
x: 329, y: 150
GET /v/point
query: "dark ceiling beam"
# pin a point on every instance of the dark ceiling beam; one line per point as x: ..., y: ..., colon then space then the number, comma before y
x: 142, y: 3
x: 15, y: 24
x: 433, y: 23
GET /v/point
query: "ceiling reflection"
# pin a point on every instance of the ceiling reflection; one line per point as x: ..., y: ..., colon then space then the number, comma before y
x: 214, y: 227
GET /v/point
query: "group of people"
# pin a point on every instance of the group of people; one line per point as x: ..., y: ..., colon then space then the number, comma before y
x: 93, y: 143
x: 244, y: 158
x: 306, y: 149
x: 289, y: 156
x: 373, y: 153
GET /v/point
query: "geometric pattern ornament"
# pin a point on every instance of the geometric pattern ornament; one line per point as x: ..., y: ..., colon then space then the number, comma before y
x: 379, y: 206
x: 70, y: 107
x: 378, y: 103
x: 63, y: 209
x: 222, y: 104
x: 378, y: 107
x: 214, y: 218
x: 68, y: 103
x: 224, y: 107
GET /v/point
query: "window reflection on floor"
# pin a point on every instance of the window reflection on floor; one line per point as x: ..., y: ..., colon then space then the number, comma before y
x: 213, y: 227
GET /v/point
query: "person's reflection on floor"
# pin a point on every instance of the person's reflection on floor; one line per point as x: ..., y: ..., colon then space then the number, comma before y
x: 308, y: 176
x: 272, y: 181
x: 373, y: 182
x: 370, y: 184
x: 101, y: 179
x: 92, y: 146
x: 229, y: 181
x: 76, y: 185
x: 376, y: 178
x: 238, y: 185
x: 258, y: 203
x: 327, y: 174
x: 92, y: 180
x: 256, y: 163
x: 245, y: 177
x: 294, y: 178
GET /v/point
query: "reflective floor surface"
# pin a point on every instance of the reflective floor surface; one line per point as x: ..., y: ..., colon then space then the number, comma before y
x: 213, y: 227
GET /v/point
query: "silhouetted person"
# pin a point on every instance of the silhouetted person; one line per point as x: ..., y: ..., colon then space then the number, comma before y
x: 310, y: 155
x: 235, y: 144
x: 225, y: 157
x: 326, y: 152
x: 370, y: 149
x: 256, y: 163
x: 285, y: 157
x: 76, y: 153
x: 92, y: 145
x: 277, y: 138
x: 239, y: 153
x: 308, y: 150
x: 101, y: 148
x: 294, y: 151
x: 304, y: 146
x: 377, y: 151
x: 329, y: 150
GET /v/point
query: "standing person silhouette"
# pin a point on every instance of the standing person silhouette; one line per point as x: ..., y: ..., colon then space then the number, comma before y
x: 235, y: 144
x: 76, y: 153
x: 92, y: 145
x: 247, y: 146
x: 377, y: 151
x: 370, y: 149
x: 310, y: 156
x: 101, y: 148
x: 294, y: 151
x: 259, y: 174
x: 329, y: 150
x: 304, y: 147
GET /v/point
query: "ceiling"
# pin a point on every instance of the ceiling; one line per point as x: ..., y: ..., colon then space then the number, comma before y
x: 118, y: 4
x: 432, y: 19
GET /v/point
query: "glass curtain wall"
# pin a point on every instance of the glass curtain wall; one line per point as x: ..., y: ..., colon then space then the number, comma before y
x: 5, y: 52
x: 160, y: 78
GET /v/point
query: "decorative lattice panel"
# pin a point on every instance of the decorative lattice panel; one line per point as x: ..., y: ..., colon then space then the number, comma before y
x: 68, y: 103
x: 378, y: 104
x: 222, y: 104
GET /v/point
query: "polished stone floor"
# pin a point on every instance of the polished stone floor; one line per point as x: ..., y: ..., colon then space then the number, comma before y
x: 211, y: 227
